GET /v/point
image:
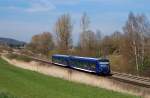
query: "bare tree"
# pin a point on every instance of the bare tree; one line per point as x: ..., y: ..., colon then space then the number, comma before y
x: 135, y: 29
x: 85, y: 22
x: 42, y: 43
x: 98, y: 43
x: 98, y: 36
x: 88, y: 43
x: 63, y: 29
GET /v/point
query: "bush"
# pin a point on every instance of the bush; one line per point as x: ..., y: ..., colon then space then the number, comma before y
x: 19, y: 57
x: 11, y: 56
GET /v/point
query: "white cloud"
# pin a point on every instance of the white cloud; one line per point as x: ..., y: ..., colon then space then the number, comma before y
x: 33, y: 6
x: 66, y: 2
x: 39, y: 5
x: 47, y: 5
x: 72, y: 2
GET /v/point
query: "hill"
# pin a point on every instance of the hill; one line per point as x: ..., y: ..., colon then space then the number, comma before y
x: 11, y: 42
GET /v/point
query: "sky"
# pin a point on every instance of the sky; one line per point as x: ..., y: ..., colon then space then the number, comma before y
x: 21, y: 19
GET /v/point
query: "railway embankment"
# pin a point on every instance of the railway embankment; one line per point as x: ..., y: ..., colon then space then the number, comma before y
x: 81, y: 77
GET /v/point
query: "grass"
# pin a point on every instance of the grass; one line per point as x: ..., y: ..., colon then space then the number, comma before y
x: 28, y: 84
x: 19, y: 57
x: 6, y: 95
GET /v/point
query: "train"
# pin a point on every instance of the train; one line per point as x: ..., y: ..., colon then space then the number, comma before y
x: 99, y: 66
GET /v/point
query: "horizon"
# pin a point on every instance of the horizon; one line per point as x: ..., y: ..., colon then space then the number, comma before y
x: 21, y: 19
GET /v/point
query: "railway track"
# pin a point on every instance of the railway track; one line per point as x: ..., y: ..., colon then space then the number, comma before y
x: 123, y: 77
x: 136, y: 80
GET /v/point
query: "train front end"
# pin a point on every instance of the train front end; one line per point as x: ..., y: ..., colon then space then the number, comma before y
x: 104, y: 66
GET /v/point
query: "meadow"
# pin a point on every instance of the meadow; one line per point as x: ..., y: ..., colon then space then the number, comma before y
x: 23, y: 83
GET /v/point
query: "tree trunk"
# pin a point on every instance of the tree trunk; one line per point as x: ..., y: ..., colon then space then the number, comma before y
x: 136, y: 56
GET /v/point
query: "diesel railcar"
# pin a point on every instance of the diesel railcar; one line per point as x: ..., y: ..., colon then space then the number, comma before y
x: 94, y: 65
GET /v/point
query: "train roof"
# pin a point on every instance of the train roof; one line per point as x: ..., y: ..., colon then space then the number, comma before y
x: 58, y: 55
x: 85, y: 58
x: 80, y: 58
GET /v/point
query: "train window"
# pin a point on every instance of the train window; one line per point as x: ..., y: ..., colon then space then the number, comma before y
x: 104, y: 64
x: 60, y: 60
x: 83, y: 64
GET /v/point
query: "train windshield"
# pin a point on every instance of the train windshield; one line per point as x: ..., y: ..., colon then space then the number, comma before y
x: 103, y: 64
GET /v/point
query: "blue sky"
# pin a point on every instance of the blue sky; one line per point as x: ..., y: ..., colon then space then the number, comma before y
x: 21, y: 19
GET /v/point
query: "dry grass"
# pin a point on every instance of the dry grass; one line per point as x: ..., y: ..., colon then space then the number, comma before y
x: 119, y: 64
x: 19, y: 57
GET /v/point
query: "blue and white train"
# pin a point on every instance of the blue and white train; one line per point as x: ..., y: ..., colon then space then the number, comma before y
x: 94, y: 65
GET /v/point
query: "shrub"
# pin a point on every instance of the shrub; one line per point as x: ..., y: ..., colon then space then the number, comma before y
x: 19, y: 57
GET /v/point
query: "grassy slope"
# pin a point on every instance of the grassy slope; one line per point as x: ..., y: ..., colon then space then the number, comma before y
x: 6, y: 95
x: 28, y: 84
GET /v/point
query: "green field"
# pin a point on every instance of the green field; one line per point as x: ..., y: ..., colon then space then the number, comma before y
x: 28, y: 84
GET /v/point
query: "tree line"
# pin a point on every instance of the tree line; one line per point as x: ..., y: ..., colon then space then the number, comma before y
x: 131, y: 45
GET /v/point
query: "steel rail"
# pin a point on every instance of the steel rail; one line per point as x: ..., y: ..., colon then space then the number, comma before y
x: 141, y: 81
x: 132, y: 76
